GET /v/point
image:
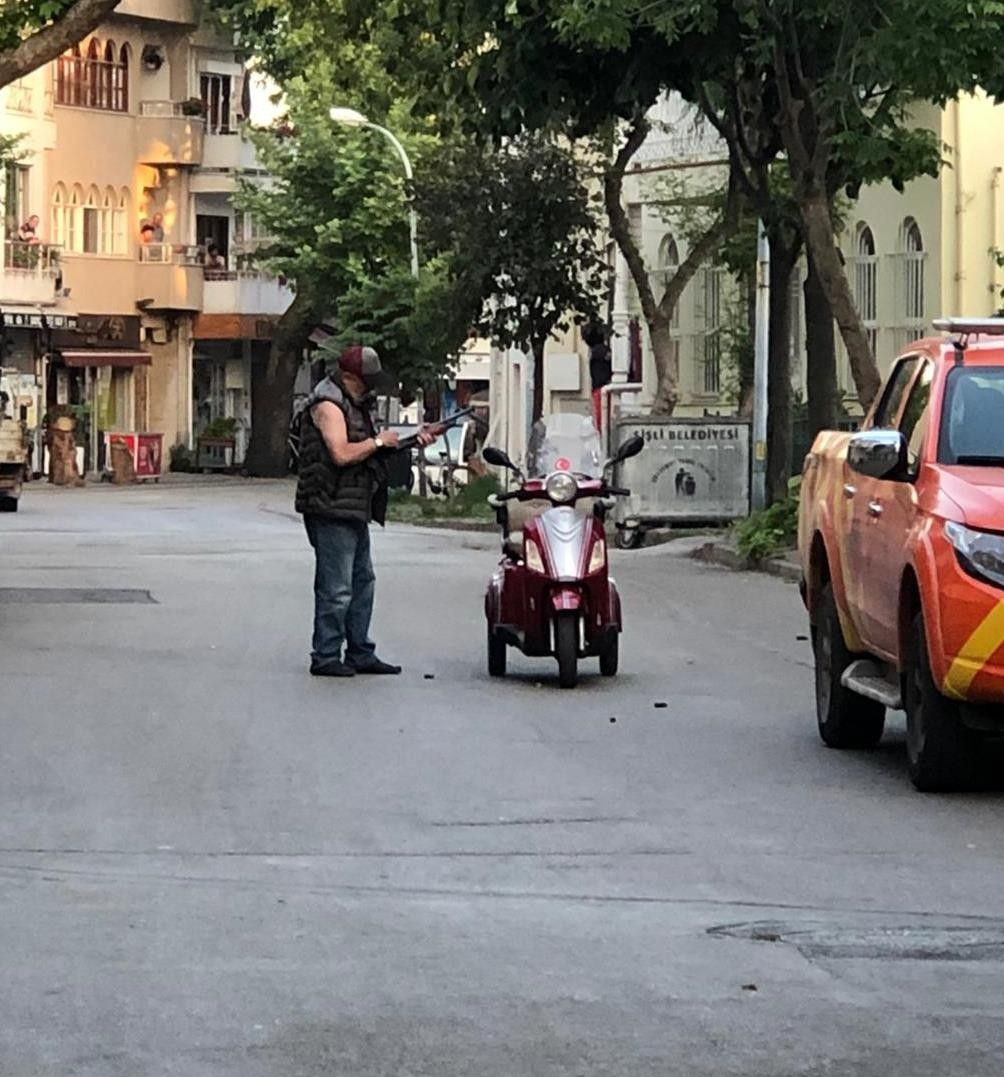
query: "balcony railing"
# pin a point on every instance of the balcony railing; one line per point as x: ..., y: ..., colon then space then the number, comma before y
x: 245, y: 291
x: 162, y: 109
x: 31, y: 272
x: 174, y: 133
x: 41, y: 259
x: 170, y: 277
x: 172, y: 254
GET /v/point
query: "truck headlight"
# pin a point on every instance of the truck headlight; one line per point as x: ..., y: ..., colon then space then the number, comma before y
x: 532, y: 556
x: 561, y: 487
x: 981, y: 553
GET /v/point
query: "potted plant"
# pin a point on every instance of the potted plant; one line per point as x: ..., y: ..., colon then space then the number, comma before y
x: 194, y: 106
x: 222, y: 429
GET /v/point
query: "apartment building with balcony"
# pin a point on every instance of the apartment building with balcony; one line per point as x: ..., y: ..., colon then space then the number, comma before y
x: 33, y: 302
x: 131, y: 155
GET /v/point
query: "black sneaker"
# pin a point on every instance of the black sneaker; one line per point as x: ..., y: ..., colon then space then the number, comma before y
x: 375, y: 665
x: 334, y: 668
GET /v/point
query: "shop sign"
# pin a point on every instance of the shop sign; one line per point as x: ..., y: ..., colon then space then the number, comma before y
x: 20, y: 319
x: 121, y: 330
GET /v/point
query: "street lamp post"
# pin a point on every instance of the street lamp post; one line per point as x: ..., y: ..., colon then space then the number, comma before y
x: 351, y: 118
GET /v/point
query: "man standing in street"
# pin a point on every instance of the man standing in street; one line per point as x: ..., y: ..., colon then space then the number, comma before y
x: 342, y: 487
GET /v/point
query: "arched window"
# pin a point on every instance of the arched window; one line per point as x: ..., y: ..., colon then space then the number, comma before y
x: 913, y: 257
x: 119, y: 223
x: 58, y: 230
x: 70, y: 77
x: 121, y: 101
x: 95, y: 79
x: 108, y: 76
x: 91, y: 219
x: 866, y: 281
x: 109, y: 204
x: 92, y: 75
x: 75, y: 219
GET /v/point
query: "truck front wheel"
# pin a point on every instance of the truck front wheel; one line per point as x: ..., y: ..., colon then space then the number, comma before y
x: 941, y: 753
x: 845, y: 719
x: 8, y: 504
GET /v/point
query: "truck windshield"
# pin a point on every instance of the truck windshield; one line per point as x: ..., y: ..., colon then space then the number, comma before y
x: 972, y: 428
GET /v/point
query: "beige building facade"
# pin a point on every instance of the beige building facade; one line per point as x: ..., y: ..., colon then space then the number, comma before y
x: 911, y: 256
x: 154, y: 308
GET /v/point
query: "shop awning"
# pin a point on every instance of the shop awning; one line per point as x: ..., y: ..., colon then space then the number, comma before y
x: 120, y: 358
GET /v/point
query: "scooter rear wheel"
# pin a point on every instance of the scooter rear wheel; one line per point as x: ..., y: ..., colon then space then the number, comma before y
x: 566, y: 647
x: 610, y: 656
x: 496, y: 654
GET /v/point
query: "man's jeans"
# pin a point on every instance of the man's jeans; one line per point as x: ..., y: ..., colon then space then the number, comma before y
x: 343, y: 590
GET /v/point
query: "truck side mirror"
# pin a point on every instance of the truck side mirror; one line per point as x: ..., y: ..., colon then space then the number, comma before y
x: 879, y: 454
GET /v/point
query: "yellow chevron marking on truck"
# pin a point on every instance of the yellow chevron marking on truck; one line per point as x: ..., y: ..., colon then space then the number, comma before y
x: 976, y: 652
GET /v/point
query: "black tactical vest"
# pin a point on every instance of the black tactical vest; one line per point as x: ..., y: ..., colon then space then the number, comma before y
x: 356, y: 493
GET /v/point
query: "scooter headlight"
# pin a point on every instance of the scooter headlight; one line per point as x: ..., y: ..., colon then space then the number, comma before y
x: 532, y: 556
x: 981, y: 553
x: 598, y: 558
x: 561, y: 487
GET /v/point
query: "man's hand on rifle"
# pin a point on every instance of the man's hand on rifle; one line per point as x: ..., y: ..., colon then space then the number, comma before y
x: 428, y: 434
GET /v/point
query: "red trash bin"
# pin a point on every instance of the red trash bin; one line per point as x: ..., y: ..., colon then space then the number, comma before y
x: 149, y: 456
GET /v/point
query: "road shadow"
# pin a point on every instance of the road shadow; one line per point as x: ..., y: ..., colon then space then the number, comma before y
x: 888, y: 760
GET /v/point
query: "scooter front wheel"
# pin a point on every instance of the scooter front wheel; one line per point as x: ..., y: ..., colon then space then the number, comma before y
x: 566, y: 648
x: 496, y: 654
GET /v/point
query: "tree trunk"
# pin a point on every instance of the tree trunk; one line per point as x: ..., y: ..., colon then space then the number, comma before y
x: 784, y: 250
x: 537, y: 347
x: 272, y: 394
x: 667, y: 390
x: 658, y: 312
x: 50, y: 41
x: 744, y: 402
x: 819, y: 238
x: 821, y: 356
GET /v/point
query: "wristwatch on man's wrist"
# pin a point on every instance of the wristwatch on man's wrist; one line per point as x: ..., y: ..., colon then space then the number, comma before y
x: 378, y: 442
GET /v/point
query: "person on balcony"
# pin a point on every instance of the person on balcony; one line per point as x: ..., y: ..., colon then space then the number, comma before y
x: 214, y: 260
x: 28, y: 232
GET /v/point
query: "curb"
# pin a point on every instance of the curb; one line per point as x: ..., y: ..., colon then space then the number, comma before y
x: 714, y: 553
x: 449, y: 525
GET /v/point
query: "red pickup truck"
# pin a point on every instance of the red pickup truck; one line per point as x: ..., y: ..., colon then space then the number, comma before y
x: 901, y: 540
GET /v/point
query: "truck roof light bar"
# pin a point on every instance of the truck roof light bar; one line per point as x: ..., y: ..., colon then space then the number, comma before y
x: 990, y: 327
x: 964, y: 328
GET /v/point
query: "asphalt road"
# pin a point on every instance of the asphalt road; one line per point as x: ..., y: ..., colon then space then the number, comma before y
x: 211, y: 864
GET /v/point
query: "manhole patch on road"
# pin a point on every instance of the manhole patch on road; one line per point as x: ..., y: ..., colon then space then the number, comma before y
x: 77, y: 596
x: 912, y: 942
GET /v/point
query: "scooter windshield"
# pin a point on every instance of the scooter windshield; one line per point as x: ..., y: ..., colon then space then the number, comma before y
x: 565, y: 442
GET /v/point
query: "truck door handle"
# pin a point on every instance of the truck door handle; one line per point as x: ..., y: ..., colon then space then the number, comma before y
x: 849, y: 491
x: 874, y: 508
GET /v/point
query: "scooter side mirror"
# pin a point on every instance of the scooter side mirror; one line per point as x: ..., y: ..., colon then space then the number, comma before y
x: 631, y: 447
x: 497, y: 458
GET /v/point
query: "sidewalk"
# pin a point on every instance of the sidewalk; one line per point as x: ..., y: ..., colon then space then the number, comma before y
x: 171, y: 480
x: 723, y: 552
